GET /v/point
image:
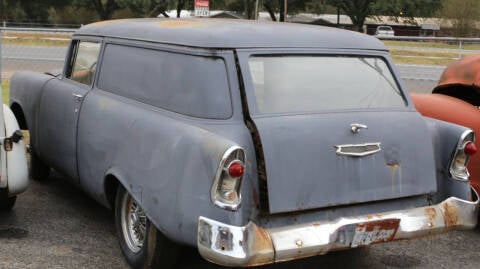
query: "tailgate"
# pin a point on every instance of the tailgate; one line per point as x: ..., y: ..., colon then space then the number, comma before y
x: 304, y: 170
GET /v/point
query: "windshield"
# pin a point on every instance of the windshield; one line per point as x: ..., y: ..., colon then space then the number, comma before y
x: 385, y: 28
x: 284, y: 84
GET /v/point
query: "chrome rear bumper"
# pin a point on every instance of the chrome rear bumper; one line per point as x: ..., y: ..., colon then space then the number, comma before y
x: 252, y: 245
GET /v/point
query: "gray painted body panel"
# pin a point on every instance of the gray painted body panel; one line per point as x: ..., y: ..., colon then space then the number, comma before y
x: 304, y: 171
x: 58, y: 114
x: 25, y: 91
x: 167, y: 161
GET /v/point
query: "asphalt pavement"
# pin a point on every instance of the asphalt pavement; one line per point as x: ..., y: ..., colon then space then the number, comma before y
x: 420, y: 78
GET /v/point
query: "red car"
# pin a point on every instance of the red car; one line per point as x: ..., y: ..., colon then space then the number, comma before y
x: 456, y: 99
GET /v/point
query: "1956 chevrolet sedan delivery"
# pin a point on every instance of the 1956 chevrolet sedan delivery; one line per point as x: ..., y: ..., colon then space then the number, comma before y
x: 254, y: 142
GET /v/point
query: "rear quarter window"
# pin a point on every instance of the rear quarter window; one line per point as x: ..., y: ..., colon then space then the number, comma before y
x: 191, y: 85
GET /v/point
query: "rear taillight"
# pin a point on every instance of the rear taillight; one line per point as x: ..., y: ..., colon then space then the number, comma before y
x: 470, y: 148
x: 465, y: 148
x: 236, y: 169
x: 225, y: 192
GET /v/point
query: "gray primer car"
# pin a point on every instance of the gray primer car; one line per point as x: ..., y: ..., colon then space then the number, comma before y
x: 254, y: 142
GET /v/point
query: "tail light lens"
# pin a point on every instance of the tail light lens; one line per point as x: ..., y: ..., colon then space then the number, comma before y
x: 225, y: 192
x: 465, y: 148
x: 470, y: 148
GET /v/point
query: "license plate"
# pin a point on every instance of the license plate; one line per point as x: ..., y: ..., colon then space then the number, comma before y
x: 375, y: 232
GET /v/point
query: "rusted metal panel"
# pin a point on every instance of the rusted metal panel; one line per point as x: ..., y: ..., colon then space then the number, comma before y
x: 450, y: 215
x: 375, y: 232
x: 461, y: 72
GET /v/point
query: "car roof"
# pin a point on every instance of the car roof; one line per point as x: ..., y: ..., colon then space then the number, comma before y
x: 228, y: 33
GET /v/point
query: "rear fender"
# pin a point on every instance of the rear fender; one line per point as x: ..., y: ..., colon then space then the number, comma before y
x: 445, y: 137
x: 26, y: 91
x: 177, y: 181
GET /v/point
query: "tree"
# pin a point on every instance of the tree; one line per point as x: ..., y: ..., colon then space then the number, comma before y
x: 462, y: 14
x: 319, y: 7
x: 357, y: 10
x: 407, y: 8
x: 271, y: 6
x: 11, y: 10
x: 148, y: 8
x: 104, y: 8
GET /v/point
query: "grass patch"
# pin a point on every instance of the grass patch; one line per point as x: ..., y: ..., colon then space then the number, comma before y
x: 33, y: 42
x: 5, y: 91
x: 36, y: 39
x: 421, y: 61
x: 431, y: 54
x: 431, y: 44
x: 428, y: 53
x: 424, y: 57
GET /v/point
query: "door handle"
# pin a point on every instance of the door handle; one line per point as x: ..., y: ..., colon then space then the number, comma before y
x: 356, y: 127
x: 77, y: 97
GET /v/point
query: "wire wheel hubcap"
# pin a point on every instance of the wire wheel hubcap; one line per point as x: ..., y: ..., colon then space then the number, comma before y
x: 134, y: 223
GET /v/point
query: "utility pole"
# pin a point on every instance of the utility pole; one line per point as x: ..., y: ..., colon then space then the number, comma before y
x: 285, y: 4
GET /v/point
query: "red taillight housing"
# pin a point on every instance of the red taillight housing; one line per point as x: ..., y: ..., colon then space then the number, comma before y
x: 236, y: 169
x: 465, y: 148
x: 470, y: 148
x: 225, y: 192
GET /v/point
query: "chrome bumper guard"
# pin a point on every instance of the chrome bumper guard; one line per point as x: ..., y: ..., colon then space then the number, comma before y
x: 252, y: 245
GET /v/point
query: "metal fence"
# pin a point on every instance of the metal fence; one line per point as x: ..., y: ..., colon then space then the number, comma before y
x: 35, y: 49
x: 421, y: 60
x: 447, y: 45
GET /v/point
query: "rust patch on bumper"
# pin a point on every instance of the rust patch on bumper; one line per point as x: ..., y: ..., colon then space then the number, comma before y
x: 375, y: 232
x: 431, y: 214
x: 262, y: 246
x: 450, y: 215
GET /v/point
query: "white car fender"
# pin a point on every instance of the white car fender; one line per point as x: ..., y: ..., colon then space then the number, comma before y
x: 17, y: 168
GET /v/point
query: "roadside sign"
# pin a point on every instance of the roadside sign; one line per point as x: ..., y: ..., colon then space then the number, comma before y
x: 202, y: 8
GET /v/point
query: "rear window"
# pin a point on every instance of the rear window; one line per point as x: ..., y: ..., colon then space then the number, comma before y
x: 315, y: 83
x: 187, y: 84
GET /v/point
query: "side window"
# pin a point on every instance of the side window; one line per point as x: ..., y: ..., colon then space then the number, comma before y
x: 84, y: 62
x: 187, y: 84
